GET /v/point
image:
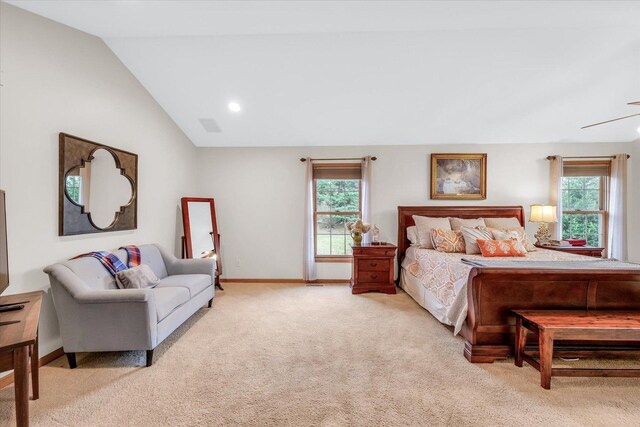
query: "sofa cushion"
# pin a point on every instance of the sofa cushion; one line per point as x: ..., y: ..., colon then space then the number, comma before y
x: 195, y: 283
x: 168, y: 299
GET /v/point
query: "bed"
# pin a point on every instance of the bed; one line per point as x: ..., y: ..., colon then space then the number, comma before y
x: 482, y: 293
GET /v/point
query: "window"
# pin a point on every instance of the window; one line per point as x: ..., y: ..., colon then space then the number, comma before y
x: 337, y: 202
x: 585, y: 186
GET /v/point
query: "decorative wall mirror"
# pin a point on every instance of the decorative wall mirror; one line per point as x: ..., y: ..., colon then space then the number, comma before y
x: 201, y: 238
x: 97, y: 187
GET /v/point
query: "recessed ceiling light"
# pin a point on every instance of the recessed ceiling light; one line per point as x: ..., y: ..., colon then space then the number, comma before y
x: 235, y: 107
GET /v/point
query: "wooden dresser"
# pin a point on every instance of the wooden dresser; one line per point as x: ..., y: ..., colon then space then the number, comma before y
x: 578, y: 250
x: 373, y: 268
x: 19, y: 348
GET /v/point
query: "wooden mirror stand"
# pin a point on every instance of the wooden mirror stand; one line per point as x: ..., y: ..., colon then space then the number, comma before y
x: 201, y: 238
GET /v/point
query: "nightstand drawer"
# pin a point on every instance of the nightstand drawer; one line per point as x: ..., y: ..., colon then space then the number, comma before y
x: 374, y: 264
x: 374, y: 251
x: 373, y: 276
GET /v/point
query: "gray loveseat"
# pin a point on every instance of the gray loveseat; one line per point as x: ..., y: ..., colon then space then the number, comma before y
x: 95, y: 315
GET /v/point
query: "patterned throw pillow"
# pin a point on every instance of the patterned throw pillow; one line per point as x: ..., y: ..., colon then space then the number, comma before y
x: 524, y: 238
x: 518, y: 233
x: 447, y: 240
x: 503, y: 248
x: 471, y: 235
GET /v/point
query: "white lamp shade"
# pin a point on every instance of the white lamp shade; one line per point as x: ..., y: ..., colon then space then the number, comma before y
x: 543, y: 213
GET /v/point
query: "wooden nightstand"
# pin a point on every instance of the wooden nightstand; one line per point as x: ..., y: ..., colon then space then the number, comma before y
x: 373, y: 268
x: 578, y: 250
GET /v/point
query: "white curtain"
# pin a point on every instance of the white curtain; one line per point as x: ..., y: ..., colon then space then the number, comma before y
x: 617, y: 247
x: 366, y: 195
x: 309, y: 267
x: 555, y: 194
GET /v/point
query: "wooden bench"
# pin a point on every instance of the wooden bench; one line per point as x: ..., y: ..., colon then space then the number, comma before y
x: 573, y: 325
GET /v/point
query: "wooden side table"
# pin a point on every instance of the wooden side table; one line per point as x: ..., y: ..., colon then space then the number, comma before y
x: 19, y: 348
x: 373, y: 268
x: 593, y: 251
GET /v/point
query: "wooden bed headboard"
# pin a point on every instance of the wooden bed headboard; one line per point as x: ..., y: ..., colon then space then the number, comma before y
x: 405, y: 218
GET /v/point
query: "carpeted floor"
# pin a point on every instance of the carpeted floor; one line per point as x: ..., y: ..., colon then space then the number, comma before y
x: 316, y: 356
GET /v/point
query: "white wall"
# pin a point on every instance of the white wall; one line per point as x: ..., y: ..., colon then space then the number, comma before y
x: 59, y: 79
x: 260, y: 194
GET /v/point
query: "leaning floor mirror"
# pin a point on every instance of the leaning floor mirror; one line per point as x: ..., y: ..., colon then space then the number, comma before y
x: 201, y: 238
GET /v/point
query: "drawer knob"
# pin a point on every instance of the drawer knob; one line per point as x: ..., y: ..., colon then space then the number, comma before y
x: 373, y: 264
x: 373, y: 276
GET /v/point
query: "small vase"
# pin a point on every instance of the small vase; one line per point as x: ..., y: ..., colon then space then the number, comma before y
x: 357, y: 238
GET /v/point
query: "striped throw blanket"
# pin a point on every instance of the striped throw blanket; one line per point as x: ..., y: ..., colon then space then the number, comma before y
x: 133, y: 255
x: 111, y: 262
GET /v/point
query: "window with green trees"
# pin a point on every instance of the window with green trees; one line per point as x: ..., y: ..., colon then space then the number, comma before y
x: 337, y: 202
x: 584, y: 202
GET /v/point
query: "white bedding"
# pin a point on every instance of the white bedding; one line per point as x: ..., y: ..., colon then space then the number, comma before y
x: 438, y: 280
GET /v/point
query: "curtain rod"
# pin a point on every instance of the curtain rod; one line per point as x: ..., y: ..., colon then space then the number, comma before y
x: 586, y: 157
x: 302, y: 159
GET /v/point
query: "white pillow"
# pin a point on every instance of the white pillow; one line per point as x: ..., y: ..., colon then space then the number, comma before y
x: 412, y: 235
x: 471, y: 236
x: 136, y: 278
x: 424, y: 225
x: 458, y: 223
x: 502, y: 223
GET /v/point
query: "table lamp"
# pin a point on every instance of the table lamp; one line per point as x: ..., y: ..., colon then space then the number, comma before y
x: 543, y: 214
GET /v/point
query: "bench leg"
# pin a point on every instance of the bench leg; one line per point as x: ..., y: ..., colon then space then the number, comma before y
x: 71, y: 358
x: 546, y: 358
x: 210, y: 303
x: 521, y: 341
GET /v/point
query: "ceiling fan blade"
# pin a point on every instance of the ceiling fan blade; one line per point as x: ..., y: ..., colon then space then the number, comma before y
x: 634, y: 103
x: 609, y: 121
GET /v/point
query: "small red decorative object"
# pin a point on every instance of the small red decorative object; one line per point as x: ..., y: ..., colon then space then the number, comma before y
x: 577, y: 242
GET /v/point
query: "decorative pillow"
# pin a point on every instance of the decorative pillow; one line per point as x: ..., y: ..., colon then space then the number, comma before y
x: 502, y: 223
x: 447, y: 240
x: 503, y: 235
x: 412, y: 235
x: 136, y: 278
x: 471, y: 235
x: 504, y: 248
x: 518, y: 233
x: 458, y: 223
x: 425, y: 224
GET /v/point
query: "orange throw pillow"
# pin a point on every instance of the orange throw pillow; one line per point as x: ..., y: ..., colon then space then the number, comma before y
x: 506, y: 248
x: 447, y: 240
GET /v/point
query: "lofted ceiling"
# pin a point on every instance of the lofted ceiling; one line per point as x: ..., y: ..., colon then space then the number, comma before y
x: 379, y: 72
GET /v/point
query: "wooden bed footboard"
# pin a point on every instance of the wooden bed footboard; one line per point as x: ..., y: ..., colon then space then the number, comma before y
x: 494, y: 292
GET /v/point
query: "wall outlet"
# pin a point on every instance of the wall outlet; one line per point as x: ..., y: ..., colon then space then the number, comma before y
x: 238, y: 263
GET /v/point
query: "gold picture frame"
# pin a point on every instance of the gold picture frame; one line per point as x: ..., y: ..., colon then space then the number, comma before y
x: 459, y: 176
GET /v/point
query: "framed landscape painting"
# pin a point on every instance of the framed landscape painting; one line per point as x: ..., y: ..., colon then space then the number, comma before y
x: 459, y: 176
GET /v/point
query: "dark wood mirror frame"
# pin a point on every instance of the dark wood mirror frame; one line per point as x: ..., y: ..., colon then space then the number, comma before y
x: 72, y: 218
x: 187, y: 248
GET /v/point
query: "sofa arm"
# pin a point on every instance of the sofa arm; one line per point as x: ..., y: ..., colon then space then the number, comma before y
x: 102, y: 320
x: 188, y: 266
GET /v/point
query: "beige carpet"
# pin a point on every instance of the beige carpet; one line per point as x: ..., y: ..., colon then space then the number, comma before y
x: 294, y: 355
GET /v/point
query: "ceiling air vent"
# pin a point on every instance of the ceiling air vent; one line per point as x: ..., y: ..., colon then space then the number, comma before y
x: 210, y: 125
